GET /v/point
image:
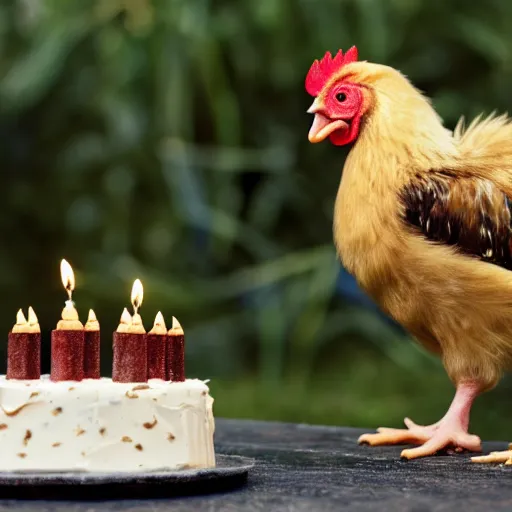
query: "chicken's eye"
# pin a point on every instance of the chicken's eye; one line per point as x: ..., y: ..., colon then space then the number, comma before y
x: 341, y: 96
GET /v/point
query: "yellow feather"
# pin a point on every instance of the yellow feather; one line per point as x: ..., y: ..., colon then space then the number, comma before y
x: 455, y: 305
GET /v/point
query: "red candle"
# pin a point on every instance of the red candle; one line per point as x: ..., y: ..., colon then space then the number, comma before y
x: 130, y: 362
x: 175, y: 371
x: 156, y: 340
x: 92, y: 348
x: 67, y: 361
x: 24, y: 348
x: 67, y: 358
x: 130, y: 352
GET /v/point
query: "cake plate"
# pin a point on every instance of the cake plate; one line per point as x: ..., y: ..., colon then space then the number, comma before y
x: 230, y: 472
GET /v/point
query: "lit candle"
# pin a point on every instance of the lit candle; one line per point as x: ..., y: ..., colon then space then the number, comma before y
x: 68, y: 280
x: 24, y: 348
x: 157, y: 338
x: 68, y: 340
x: 92, y: 347
x: 175, y: 371
x: 137, y: 297
x: 130, y: 361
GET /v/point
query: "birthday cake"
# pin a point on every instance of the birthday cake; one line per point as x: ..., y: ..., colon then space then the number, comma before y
x: 148, y: 417
x: 100, y: 425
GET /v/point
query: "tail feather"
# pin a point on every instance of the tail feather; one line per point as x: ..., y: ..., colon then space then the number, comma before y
x: 485, y: 141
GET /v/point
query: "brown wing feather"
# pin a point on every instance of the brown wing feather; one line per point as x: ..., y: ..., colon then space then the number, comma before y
x: 471, y: 214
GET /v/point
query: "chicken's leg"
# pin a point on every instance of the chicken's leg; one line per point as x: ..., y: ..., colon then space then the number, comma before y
x: 451, y: 430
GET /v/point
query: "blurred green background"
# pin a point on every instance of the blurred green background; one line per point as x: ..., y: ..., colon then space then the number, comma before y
x: 167, y: 140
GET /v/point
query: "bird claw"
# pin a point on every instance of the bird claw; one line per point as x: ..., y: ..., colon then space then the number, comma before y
x: 443, y: 438
x: 413, y: 434
x: 431, y: 438
x: 500, y: 457
x: 392, y: 436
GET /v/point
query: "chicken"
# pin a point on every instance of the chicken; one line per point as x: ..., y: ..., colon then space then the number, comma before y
x: 423, y: 222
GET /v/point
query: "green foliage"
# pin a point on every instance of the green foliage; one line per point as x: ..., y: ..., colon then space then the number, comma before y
x: 166, y: 140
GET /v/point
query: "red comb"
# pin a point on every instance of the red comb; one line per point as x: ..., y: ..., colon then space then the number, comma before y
x: 320, y: 71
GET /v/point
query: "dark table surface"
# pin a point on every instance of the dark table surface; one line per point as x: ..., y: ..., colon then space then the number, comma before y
x: 305, y: 468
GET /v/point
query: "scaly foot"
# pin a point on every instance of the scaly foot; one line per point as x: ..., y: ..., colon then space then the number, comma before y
x: 451, y: 431
x: 499, y: 457
x: 446, y: 433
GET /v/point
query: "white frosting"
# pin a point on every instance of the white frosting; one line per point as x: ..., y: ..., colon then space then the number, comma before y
x: 100, y: 425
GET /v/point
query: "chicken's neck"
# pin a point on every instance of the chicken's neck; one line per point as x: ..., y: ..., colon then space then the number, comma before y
x: 367, y: 225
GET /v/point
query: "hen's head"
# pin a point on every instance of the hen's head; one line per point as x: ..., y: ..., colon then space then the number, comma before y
x: 346, y: 91
x: 339, y: 102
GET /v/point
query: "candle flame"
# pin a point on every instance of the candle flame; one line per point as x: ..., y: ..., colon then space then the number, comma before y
x: 68, y: 277
x: 137, y: 295
x: 92, y: 316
